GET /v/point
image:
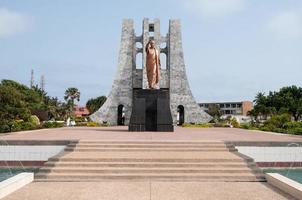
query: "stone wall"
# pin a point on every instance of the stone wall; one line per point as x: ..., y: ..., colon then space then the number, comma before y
x: 121, y: 91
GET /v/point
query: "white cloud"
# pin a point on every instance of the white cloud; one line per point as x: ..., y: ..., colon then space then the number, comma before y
x: 286, y: 25
x: 214, y: 8
x: 12, y: 22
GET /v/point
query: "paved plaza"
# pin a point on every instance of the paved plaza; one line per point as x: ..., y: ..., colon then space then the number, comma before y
x: 121, y: 133
x: 149, y: 189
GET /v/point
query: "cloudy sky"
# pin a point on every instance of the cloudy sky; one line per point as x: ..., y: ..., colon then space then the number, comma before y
x: 233, y: 48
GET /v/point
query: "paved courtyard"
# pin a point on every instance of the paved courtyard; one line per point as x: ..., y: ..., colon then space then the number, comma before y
x: 121, y: 133
x: 155, y: 190
x: 147, y: 191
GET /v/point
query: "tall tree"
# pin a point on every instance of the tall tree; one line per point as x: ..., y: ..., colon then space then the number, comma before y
x: 286, y: 100
x: 214, y: 111
x: 13, y: 105
x: 72, y: 94
x: 94, y: 104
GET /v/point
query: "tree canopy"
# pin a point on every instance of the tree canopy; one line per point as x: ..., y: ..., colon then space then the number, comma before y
x: 19, y: 101
x: 286, y: 100
x: 94, y: 104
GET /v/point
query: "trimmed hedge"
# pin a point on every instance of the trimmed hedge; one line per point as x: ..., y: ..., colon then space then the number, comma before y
x: 203, y: 125
x: 52, y: 124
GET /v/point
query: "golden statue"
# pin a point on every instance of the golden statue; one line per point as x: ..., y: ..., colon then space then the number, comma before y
x: 152, y: 64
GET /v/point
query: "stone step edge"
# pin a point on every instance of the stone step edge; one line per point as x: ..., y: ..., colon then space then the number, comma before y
x: 148, y: 150
x: 152, y: 179
x: 146, y: 170
x: 152, y: 145
x: 88, y: 165
x: 149, y: 142
x: 149, y: 160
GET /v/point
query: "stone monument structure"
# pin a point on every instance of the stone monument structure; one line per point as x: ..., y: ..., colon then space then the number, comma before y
x: 131, y: 80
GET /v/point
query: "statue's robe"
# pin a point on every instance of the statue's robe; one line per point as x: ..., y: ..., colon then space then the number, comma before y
x: 152, y: 66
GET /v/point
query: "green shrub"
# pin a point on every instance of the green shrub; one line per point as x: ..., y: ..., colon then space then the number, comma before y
x: 4, y: 127
x: 235, y: 123
x: 28, y: 126
x: 291, y: 125
x: 79, y: 119
x: 272, y: 128
x: 15, y: 125
x: 202, y: 125
x: 93, y: 124
x: 81, y: 124
x: 245, y: 126
x: 34, y: 120
x: 295, y: 131
x: 278, y: 121
x: 52, y: 124
x: 222, y: 125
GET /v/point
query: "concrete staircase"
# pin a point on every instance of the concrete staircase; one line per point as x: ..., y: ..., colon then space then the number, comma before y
x: 149, y: 160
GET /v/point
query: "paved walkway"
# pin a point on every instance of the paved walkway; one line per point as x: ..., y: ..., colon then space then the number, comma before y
x: 147, y: 191
x: 121, y: 133
x: 118, y: 190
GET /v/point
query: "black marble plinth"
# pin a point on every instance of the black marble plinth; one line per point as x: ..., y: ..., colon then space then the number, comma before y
x: 151, y: 111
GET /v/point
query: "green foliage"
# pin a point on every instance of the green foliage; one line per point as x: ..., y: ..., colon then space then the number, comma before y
x: 234, y: 123
x: 51, y: 124
x: 203, y: 125
x: 282, y: 124
x: 92, y: 124
x: 18, y: 125
x: 79, y: 119
x: 20, y: 102
x: 222, y: 124
x: 286, y: 100
x: 4, y: 128
x: 95, y: 103
x: 28, y: 126
x: 34, y: 120
x: 214, y: 111
x: 245, y: 126
x: 291, y: 125
x: 81, y: 123
x: 13, y: 104
x: 278, y: 121
x: 71, y: 94
x: 295, y: 131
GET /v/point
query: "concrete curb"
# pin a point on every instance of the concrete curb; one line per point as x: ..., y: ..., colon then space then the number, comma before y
x: 285, y: 184
x: 14, y: 183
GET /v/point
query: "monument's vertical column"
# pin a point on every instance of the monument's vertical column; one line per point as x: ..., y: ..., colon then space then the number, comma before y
x: 180, y: 93
x: 145, y: 39
x: 157, y: 37
x: 121, y: 91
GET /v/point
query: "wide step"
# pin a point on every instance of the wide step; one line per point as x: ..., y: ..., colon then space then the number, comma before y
x: 142, y: 176
x: 149, y: 160
x: 143, y: 170
x: 150, y: 165
x: 96, y: 149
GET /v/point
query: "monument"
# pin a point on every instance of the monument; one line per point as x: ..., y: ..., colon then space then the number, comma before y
x: 160, y: 90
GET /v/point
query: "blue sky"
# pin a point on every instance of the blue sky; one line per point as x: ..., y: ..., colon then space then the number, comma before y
x: 233, y: 48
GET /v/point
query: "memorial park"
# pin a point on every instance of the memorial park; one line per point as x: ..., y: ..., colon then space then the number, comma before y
x: 195, y: 103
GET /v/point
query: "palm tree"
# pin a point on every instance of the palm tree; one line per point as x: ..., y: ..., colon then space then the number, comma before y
x: 72, y: 94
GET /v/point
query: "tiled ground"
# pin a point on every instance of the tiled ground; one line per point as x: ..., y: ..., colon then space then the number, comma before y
x: 121, y: 133
x: 149, y: 190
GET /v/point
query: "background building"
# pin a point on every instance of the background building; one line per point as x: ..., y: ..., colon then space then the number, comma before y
x: 230, y: 108
x: 80, y: 111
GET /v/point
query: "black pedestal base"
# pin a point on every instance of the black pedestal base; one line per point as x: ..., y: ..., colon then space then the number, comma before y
x: 151, y: 111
